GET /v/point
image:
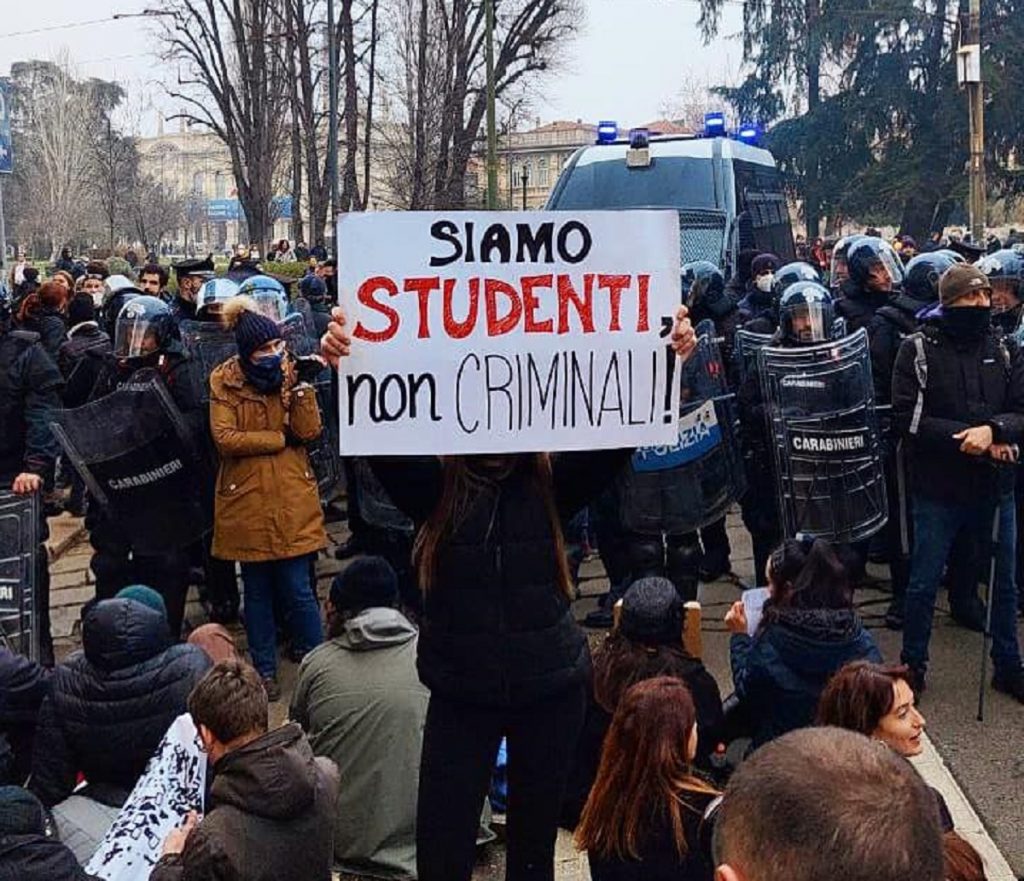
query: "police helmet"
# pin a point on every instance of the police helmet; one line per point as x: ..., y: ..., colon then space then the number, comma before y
x: 145, y: 325
x: 1005, y: 270
x: 806, y: 314
x: 921, y: 279
x: 269, y: 295
x: 956, y: 256
x: 113, y: 302
x: 874, y: 265
x: 838, y: 270
x: 790, y: 274
x: 702, y: 282
x: 214, y: 294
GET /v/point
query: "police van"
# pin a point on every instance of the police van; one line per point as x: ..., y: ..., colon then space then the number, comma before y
x: 727, y: 189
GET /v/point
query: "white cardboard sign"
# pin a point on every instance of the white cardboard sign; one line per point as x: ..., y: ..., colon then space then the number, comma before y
x: 501, y: 332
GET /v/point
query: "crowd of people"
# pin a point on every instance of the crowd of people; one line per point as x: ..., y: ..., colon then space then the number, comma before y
x: 451, y: 636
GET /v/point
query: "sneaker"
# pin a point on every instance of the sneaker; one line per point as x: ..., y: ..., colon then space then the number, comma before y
x: 272, y: 688
x: 1010, y: 682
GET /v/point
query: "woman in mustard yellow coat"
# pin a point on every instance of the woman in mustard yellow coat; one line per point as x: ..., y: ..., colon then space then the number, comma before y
x: 267, y: 512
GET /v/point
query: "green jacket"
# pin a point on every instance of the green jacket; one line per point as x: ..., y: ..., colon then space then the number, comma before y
x: 362, y: 705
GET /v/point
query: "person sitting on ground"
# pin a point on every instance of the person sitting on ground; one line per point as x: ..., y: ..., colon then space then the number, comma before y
x: 111, y: 704
x: 809, y: 630
x: 643, y: 819
x: 216, y: 640
x: 270, y: 810
x: 877, y: 701
x: 23, y: 685
x: 647, y: 642
x: 27, y: 853
x: 360, y: 700
x: 826, y: 803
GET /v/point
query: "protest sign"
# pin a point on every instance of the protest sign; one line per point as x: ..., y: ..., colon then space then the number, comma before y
x: 487, y: 332
x: 173, y: 784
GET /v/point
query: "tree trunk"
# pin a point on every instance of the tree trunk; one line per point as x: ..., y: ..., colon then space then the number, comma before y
x: 349, y: 177
x: 419, y: 162
x: 298, y: 233
x: 812, y: 176
x: 368, y: 122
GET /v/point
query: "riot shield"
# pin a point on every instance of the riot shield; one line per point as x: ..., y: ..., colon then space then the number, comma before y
x: 744, y: 353
x: 820, y: 408
x: 375, y: 505
x: 19, y: 544
x: 142, y: 462
x: 324, y: 455
x: 692, y: 483
x: 210, y: 344
x: 295, y: 333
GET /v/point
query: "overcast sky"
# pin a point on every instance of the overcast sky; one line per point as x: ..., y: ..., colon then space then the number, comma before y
x: 627, y: 63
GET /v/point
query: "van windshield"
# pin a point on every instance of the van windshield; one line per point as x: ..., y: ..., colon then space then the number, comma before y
x: 669, y: 182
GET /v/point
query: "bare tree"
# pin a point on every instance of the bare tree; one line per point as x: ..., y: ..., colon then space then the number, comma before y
x: 155, y: 211
x: 115, y: 160
x: 233, y: 81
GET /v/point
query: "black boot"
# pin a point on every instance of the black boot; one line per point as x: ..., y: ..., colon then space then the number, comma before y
x: 1010, y: 682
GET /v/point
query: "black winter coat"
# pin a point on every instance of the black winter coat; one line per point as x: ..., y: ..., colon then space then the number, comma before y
x: 52, y: 328
x: 23, y: 685
x: 78, y: 362
x: 858, y: 307
x: 270, y: 816
x: 34, y: 857
x: 891, y: 324
x: 497, y: 630
x: 968, y: 383
x: 112, y: 703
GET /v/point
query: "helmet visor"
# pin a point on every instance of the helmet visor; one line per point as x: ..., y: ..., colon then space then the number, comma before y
x: 135, y: 337
x: 271, y: 304
x: 810, y: 322
x: 885, y: 272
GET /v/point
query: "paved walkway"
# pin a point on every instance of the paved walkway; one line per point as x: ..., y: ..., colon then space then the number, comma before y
x: 72, y: 585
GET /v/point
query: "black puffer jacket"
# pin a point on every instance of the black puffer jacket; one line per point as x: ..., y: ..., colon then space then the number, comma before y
x: 858, y: 307
x: 23, y: 685
x: 891, y: 324
x: 52, y: 327
x: 34, y: 857
x: 967, y: 383
x: 80, y: 370
x: 112, y: 703
x: 497, y: 630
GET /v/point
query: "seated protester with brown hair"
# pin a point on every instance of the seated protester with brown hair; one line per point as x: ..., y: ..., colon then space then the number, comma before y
x: 643, y: 819
x: 109, y: 707
x: 27, y: 853
x: 270, y: 809
x: 877, y: 701
x: 809, y: 630
x: 647, y: 642
x: 824, y: 803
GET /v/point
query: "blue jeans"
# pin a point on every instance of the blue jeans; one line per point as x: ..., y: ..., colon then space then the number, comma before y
x: 288, y: 580
x: 936, y: 525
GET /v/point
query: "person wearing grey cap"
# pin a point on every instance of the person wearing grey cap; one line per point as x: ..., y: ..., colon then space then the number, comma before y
x: 958, y: 403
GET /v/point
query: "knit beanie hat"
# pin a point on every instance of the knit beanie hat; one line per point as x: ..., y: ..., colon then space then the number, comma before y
x: 21, y: 813
x: 960, y: 280
x: 652, y: 612
x: 366, y: 583
x: 313, y: 288
x: 143, y: 595
x: 252, y: 329
x: 81, y: 309
x: 764, y: 263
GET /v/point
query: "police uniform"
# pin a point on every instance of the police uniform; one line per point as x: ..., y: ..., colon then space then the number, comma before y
x: 30, y: 388
x: 181, y: 308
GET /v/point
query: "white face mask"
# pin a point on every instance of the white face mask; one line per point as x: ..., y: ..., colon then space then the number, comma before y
x: 765, y: 282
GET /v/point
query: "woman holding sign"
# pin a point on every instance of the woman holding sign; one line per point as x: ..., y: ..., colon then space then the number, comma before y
x: 499, y: 648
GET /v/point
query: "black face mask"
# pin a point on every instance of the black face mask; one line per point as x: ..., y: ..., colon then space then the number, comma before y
x: 967, y: 322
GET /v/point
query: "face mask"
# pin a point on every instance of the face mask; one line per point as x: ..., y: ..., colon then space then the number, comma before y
x: 764, y: 283
x: 968, y: 322
x: 266, y: 374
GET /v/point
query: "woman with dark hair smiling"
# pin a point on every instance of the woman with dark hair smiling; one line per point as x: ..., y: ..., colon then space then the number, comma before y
x: 643, y: 819
x: 809, y: 630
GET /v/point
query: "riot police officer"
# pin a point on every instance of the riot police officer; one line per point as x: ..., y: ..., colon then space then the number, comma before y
x: 958, y: 401
x: 806, y: 317
x: 1005, y: 271
x: 145, y: 336
x: 876, y: 274
x: 30, y: 387
x: 839, y: 271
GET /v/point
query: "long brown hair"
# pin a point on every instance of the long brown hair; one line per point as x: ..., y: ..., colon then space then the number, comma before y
x: 620, y: 663
x: 645, y: 772
x: 461, y: 485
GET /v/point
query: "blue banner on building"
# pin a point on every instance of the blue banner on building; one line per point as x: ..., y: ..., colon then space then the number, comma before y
x: 231, y: 209
x: 6, y: 148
